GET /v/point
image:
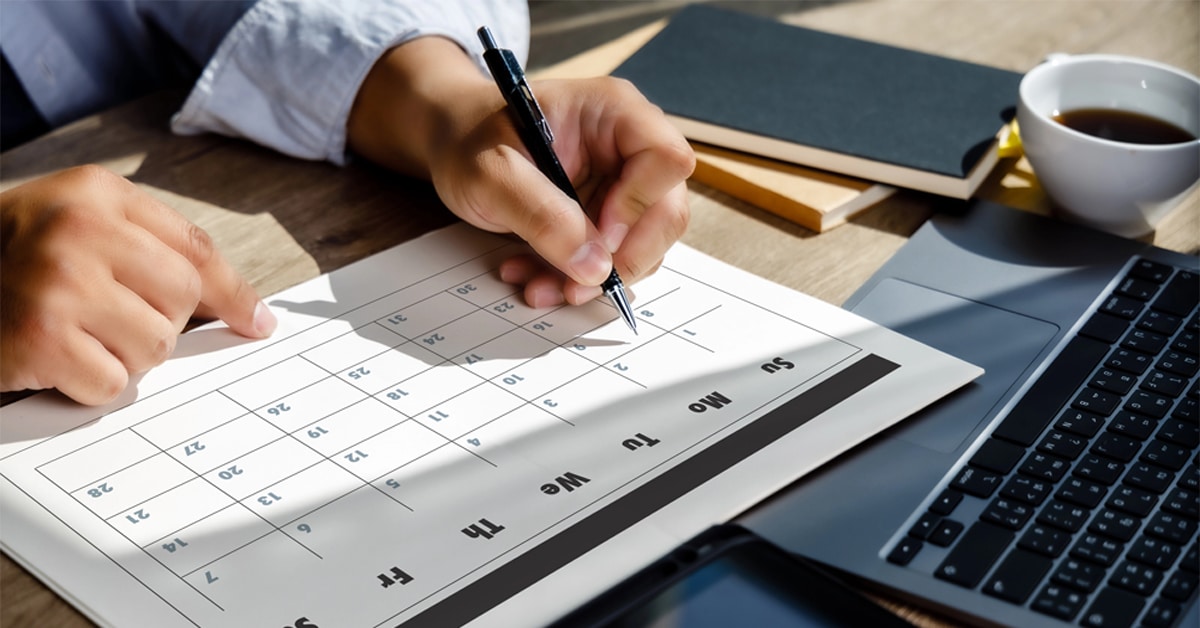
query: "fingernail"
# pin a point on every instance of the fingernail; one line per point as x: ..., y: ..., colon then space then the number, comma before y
x: 591, y: 263
x: 614, y: 236
x: 264, y: 320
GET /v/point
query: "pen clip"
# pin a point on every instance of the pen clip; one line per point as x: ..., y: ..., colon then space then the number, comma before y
x: 539, y: 119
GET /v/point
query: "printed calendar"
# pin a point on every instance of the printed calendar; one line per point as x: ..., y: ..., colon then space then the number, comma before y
x: 416, y: 446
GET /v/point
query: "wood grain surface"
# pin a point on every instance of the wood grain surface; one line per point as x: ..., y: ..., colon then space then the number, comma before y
x: 283, y: 221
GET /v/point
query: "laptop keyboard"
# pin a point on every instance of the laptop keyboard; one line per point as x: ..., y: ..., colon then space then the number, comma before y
x: 1082, y: 503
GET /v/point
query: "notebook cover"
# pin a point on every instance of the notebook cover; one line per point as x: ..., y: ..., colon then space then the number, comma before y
x: 818, y: 200
x: 856, y: 103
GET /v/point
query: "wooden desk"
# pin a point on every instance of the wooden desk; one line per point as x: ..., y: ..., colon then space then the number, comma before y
x: 283, y: 221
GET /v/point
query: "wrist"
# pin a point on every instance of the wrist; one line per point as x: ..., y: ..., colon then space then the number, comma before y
x: 416, y: 99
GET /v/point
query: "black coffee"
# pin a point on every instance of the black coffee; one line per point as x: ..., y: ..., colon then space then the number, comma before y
x: 1123, y: 126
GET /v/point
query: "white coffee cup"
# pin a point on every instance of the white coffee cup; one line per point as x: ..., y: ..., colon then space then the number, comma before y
x: 1122, y: 187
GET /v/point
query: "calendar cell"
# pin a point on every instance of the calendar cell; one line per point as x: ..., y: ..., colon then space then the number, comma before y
x: 310, y: 404
x: 424, y: 484
x: 421, y: 392
x: 386, y: 369
x: 208, y: 539
x: 133, y: 485
x: 395, y: 447
x: 351, y: 348
x: 565, y: 324
x: 100, y: 459
x: 666, y: 360
x: 464, y: 334
x: 416, y: 320
x: 241, y: 477
x: 492, y: 358
x: 514, y: 310
x: 468, y: 410
x: 186, y: 420
x: 577, y: 400
x: 534, y: 378
x: 169, y: 512
x: 257, y: 390
x: 300, y: 494
x: 222, y: 444
x: 347, y: 427
x: 484, y: 289
x: 363, y: 513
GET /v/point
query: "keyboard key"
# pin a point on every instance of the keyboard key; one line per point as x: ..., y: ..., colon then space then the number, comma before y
x: 1179, y: 363
x: 1063, y: 516
x: 1166, y: 454
x: 1113, y: 381
x: 1062, y: 444
x: 1029, y: 490
x: 1052, y: 390
x: 1059, y: 602
x: 1180, y: 433
x: 1180, y: 294
x: 1188, y: 410
x: 904, y: 551
x: 1164, y: 383
x: 1154, y: 552
x: 1180, y: 586
x: 1113, y: 607
x: 1159, y: 322
x: 1191, y: 560
x: 1097, y: 401
x: 1079, y: 575
x: 1173, y: 528
x: 997, y: 455
x: 1017, y: 576
x: 1154, y: 272
x: 1136, y: 578
x: 1045, y: 540
x: 1133, y: 425
x: 924, y: 526
x: 1129, y: 360
x: 1136, y: 288
x: 1115, y: 446
x: 1081, y: 492
x: 1148, y: 403
x: 1183, y: 502
x: 1118, y: 525
x: 1098, y: 549
x: 1044, y: 467
x: 945, y: 532
x: 946, y: 502
x: 974, y: 555
x: 1079, y: 422
x: 1105, y: 327
x: 1098, y: 469
x: 977, y: 482
x: 1008, y: 513
x: 1122, y: 306
x: 1148, y: 476
x: 1144, y: 341
x: 1162, y: 614
x: 1132, y: 500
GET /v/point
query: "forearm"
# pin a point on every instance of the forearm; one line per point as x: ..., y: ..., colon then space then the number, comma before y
x: 415, y: 99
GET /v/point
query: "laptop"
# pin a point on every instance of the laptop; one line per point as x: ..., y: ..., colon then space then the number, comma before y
x: 1061, y: 487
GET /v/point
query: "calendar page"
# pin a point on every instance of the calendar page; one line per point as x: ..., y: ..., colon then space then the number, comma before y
x: 415, y: 446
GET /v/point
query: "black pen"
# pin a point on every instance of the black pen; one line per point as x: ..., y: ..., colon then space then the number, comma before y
x: 535, y: 133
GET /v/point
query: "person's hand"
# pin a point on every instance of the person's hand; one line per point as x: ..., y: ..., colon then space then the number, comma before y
x: 426, y: 109
x: 99, y: 278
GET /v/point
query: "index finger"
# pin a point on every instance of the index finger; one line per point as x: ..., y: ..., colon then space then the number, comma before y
x: 224, y: 292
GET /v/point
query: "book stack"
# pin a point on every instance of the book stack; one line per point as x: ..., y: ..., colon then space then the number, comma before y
x: 811, y: 125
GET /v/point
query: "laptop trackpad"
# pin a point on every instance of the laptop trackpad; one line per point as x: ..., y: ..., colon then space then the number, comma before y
x: 1004, y: 343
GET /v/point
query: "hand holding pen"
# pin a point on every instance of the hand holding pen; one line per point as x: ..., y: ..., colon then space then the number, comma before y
x: 425, y: 109
x: 538, y: 137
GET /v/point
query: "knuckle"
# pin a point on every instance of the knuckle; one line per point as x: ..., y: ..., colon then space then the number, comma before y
x: 198, y: 245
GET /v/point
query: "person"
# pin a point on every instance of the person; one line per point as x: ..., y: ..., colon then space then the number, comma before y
x: 99, y: 278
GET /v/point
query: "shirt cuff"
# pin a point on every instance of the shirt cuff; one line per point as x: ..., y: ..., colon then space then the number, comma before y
x: 287, y: 74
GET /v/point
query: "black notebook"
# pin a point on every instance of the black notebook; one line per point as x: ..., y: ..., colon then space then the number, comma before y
x: 827, y: 101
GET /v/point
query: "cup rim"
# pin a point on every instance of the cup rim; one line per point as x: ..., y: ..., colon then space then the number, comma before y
x: 1056, y: 60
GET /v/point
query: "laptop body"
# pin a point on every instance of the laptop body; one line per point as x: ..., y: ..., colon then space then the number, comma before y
x: 1005, y: 290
